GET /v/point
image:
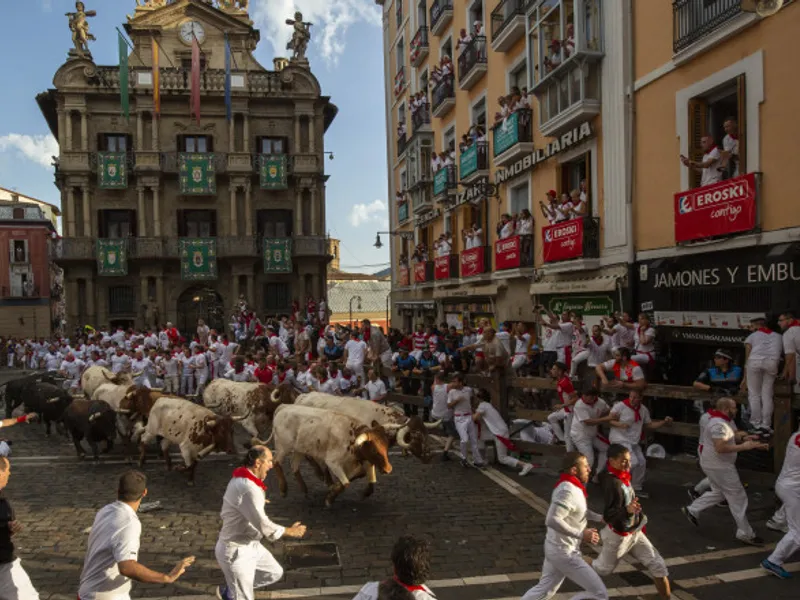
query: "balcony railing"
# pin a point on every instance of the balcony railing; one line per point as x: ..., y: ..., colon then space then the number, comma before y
x: 512, y: 136
x: 513, y: 252
x: 419, y: 46
x: 475, y: 261
x: 402, y: 212
x: 445, y: 267
x: 309, y: 245
x: 576, y: 238
x: 170, y: 161
x: 423, y: 271
x: 444, y: 180
x: 401, y: 145
x: 72, y: 249
x: 421, y: 117
x: 20, y: 292
x: 237, y: 246
x: 441, y: 15
x: 178, y: 79
x: 692, y: 20
x: 472, y: 62
x: 508, y: 24
x: 444, y: 96
x: 400, y: 81
x: 474, y: 161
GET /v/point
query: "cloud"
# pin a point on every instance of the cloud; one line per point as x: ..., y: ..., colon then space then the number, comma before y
x: 331, y: 19
x: 376, y: 212
x: 38, y: 148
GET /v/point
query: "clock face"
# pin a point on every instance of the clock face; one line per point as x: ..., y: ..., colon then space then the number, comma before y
x: 190, y: 30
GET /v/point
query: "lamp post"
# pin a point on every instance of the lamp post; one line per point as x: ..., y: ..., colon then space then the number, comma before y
x: 406, y: 235
x: 351, y: 308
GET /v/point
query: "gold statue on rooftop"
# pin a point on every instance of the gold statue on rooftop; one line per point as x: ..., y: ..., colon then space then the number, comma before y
x: 80, y: 29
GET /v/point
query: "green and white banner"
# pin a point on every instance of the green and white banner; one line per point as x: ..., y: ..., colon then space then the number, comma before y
x: 112, y: 257
x: 112, y: 170
x: 198, y: 258
x: 197, y: 173
x: 277, y: 255
x: 273, y: 171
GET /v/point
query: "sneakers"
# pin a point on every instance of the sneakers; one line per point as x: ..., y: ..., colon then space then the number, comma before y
x: 693, y: 495
x: 222, y: 592
x: 692, y: 519
x: 464, y: 462
x: 776, y: 570
x: 529, y: 467
x: 776, y: 526
x: 479, y: 465
x: 642, y: 494
x: 752, y: 541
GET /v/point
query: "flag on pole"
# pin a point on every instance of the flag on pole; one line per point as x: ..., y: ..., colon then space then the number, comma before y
x: 196, y: 80
x: 156, y: 81
x: 227, y: 78
x: 123, y: 76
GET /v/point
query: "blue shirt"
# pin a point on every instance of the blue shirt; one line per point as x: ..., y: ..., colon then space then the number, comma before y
x: 728, y: 380
x: 333, y: 352
x: 427, y: 363
x: 407, y: 363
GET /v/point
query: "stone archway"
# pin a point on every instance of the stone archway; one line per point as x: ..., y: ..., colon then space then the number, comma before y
x: 200, y: 302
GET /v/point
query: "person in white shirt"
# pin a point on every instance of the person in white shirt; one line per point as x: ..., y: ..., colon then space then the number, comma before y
x: 562, y: 331
x: 246, y: 564
x: 494, y: 428
x: 620, y: 328
x: 787, y: 487
x: 721, y: 443
x: 239, y: 372
x: 142, y: 368
x: 52, y: 360
x: 441, y: 411
x: 578, y: 208
x: 709, y: 166
x: 459, y: 400
x: 629, y: 419
x: 589, y: 412
x: 791, y: 347
x: 522, y: 344
x: 355, y: 352
x: 120, y: 362
x: 163, y: 339
x: 374, y: 389
x: 169, y: 367
x: 598, y: 351
x: 644, y: 340
x: 506, y: 228
x: 411, y: 559
x: 730, y: 148
x: 186, y: 361
x: 200, y: 367
x: 566, y: 529
x: 112, y: 552
x: 72, y: 368
x: 326, y: 384
x: 202, y: 331
x: 762, y: 353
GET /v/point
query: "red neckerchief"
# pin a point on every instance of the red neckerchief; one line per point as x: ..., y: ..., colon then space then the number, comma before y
x: 710, y: 150
x: 794, y: 323
x: 590, y: 403
x: 797, y: 440
x: 638, y: 417
x: 574, y: 481
x: 719, y: 415
x: 733, y: 136
x: 225, y: 342
x: 281, y: 377
x: 367, y: 333
x: 765, y: 330
x: 598, y: 341
x: 245, y: 473
x: 623, y: 476
x: 410, y: 588
x: 617, y: 368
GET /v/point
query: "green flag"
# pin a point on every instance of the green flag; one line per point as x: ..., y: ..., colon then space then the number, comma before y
x: 277, y: 255
x: 196, y: 173
x: 273, y: 171
x: 112, y: 257
x: 111, y: 173
x: 198, y: 258
x: 123, y: 75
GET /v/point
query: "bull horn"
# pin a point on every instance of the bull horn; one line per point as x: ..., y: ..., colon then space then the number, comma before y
x: 433, y: 425
x: 274, y: 396
x: 257, y: 442
x: 94, y: 416
x: 362, y: 439
x: 134, y: 375
x: 124, y: 411
x: 243, y: 417
x: 401, y: 437
x: 51, y: 400
x: 211, y: 423
x: 205, y: 451
x: 112, y: 378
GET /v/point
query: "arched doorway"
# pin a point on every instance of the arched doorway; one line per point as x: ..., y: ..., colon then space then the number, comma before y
x: 200, y: 303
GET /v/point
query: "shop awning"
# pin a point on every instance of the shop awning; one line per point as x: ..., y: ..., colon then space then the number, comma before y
x: 561, y: 283
x: 415, y: 305
x: 465, y: 291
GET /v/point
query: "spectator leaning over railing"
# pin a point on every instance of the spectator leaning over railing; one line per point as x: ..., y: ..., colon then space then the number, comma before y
x: 505, y: 229
x: 578, y: 207
x: 463, y: 41
x: 710, y: 164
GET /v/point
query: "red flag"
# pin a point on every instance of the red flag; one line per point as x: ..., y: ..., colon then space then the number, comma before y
x: 196, y: 80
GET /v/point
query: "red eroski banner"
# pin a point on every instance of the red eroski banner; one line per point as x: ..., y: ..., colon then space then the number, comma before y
x: 563, y: 241
x: 717, y: 209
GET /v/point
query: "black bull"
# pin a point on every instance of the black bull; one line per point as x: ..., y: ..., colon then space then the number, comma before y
x: 16, y: 389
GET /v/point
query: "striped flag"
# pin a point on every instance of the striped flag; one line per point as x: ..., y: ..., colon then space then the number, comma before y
x: 123, y: 76
x: 195, y: 102
x: 228, y: 78
x: 156, y: 81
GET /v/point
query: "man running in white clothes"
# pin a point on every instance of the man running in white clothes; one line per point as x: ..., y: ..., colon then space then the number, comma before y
x: 721, y: 443
x: 589, y: 412
x: 566, y: 529
x: 493, y: 426
x: 459, y: 400
x: 787, y: 487
x: 244, y: 561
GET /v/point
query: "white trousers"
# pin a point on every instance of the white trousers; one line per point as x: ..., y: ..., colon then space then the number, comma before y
x: 761, y: 374
x: 468, y: 434
x: 616, y: 546
x: 558, y: 565
x: 246, y: 568
x: 725, y: 485
x: 703, y: 487
x: 15, y: 583
x: 357, y: 369
x: 562, y: 433
x: 187, y: 384
x: 580, y: 357
x: 171, y: 384
x: 790, y: 543
x: 641, y: 359
x: 502, y: 455
x: 587, y: 447
x: 519, y: 361
x: 638, y: 465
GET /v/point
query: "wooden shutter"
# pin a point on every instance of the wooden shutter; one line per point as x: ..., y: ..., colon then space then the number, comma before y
x: 742, y: 123
x: 698, y: 127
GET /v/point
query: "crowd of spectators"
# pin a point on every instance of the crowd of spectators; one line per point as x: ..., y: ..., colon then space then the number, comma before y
x: 572, y: 205
x: 515, y: 101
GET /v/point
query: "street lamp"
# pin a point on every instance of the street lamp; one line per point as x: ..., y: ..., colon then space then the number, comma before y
x: 351, y: 308
x: 406, y: 235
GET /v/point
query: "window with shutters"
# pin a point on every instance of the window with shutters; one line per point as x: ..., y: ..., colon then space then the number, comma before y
x: 116, y: 224
x: 275, y: 223
x: 197, y: 223
x: 19, y: 251
x: 195, y: 143
x: 719, y: 113
x: 277, y: 297
x: 114, y: 142
x: 121, y: 300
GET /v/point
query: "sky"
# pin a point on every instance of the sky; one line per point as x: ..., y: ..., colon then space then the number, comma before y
x: 346, y: 56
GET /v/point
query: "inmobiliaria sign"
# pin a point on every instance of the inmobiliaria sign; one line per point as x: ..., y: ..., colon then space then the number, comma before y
x: 717, y: 209
x: 563, y: 241
x: 419, y: 272
x: 441, y: 267
x: 472, y: 262
x: 507, y: 253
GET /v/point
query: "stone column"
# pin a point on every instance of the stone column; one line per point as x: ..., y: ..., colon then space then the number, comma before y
x: 62, y: 129
x: 234, y: 230
x: 246, y: 135
x: 140, y: 212
x: 235, y: 288
x: 90, y: 305
x: 155, y: 133
x: 298, y: 213
x: 102, y: 306
x: 311, y: 134
x: 296, y: 146
x: 161, y: 298
x: 248, y: 210
x: 143, y: 297
x: 68, y: 212
x: 139, y: 131
x: 72, y: 303
x: 250, y: 297
x: 314, y: 212
x: 87, y: 214
x: 68, y: 132
x: 84, y: 132
x: 156, y: 212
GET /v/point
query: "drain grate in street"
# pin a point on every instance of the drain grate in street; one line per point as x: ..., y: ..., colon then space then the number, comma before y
x: 312, y: 556
x: 636, y: 578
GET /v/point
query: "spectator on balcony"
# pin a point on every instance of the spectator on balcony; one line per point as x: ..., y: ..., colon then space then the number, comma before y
x: 505, y: 229
x: 465, y: 143
x: 400, y: 197
x: 525, y: 222
x: 473, y: 237
x: 447, y: 67
x: 524, y: 100
x: 477, y: 29
x: 464, y: 40
x: 552, y: 60
x: 478, y: 133
x: 577, y: 205
x: 436, y: 75
x: 709, y: 166
x: 444, y: 245
x: 504, y: 111
x: 401, y: 129
x: 515, y: 97
x: 404, y: 260
x: 730, y: 149
x: 436, y: 162
x: 569, y: 41
x: 550, y: 209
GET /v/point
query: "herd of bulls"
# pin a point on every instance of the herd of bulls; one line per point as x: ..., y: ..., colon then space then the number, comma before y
x: 342, y: 438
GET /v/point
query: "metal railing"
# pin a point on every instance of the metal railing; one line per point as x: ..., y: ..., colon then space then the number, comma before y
x: 399, y: 81
x: 437, y: 10
x: 505, y: 13
x: 418, y: 42
x: 179, y: 79
x: 19, y: 292
x: 472, y: 55
x: 443, y: 90
x: 421, y: 116
x: 693, y: 19
x: 170, y: 161
x: 401, y: 144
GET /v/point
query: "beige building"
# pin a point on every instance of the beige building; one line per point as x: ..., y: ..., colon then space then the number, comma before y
x: 172, y: 218
x: 51, y: 212
x: 573, y: 57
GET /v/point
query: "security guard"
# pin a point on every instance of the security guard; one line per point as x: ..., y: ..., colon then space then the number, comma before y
x: 723, y: 378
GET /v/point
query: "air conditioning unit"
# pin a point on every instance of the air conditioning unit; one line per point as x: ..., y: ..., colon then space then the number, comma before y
x: 763, y: 8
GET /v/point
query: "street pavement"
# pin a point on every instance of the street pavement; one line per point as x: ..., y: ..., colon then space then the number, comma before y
x: 486, y: 528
